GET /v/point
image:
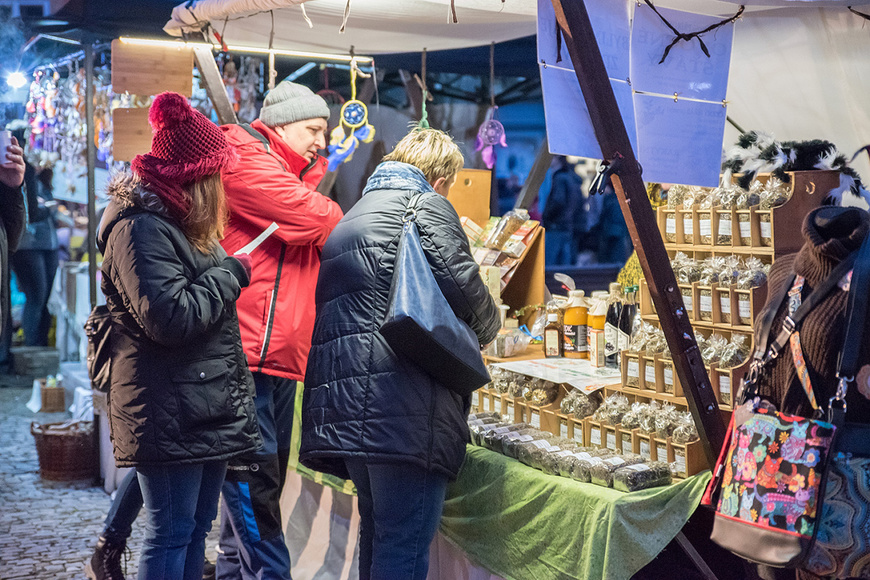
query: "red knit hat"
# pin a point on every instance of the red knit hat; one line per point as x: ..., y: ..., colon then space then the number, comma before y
x: 186, y: 147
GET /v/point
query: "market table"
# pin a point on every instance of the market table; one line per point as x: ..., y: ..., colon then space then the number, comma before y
x: 503, y: 516
x: 524, y: 524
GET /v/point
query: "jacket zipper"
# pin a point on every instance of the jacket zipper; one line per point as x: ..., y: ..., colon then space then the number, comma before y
x: 308, y: 168
x: 273, y: 303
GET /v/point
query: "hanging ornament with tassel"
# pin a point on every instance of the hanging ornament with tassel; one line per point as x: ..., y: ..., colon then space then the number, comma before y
x: 355, y: 117
x: 491, y: 131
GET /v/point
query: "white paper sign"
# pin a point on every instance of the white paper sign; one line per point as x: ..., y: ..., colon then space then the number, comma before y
x: 578, y: 373
x: 569, y: 128
x: 255, y: 243
x: 686, y: 71
x: 679, y: 142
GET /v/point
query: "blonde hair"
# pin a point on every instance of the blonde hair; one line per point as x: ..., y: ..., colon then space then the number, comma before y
x: 204, y: 224
x: 431, y: 151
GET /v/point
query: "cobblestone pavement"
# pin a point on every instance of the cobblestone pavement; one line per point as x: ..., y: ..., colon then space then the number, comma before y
x: 48, y: 530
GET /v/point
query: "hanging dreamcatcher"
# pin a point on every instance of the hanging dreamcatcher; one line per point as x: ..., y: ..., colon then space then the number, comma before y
x: 491, y: 131
x: 353, y: 125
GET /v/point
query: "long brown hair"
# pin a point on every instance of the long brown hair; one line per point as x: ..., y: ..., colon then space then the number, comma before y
x: 204, y: 224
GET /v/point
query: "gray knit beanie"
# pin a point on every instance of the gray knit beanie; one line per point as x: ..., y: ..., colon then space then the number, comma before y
x: 289, y: 102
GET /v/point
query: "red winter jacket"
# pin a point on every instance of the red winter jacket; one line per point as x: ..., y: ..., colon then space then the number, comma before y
x: 276, y: 312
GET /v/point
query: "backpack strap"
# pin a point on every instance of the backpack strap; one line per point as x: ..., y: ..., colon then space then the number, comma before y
x: 257, y: 135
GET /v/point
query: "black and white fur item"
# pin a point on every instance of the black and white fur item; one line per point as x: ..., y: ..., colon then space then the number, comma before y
x: 757, y: 152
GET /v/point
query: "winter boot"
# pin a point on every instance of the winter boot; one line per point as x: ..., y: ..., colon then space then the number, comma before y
x: 105, y: 564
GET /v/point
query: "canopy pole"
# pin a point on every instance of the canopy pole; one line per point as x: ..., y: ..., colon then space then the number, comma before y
x: 573, y: 20
x: 214, y: 86
x: 532, y: 186
x: 91, y: 160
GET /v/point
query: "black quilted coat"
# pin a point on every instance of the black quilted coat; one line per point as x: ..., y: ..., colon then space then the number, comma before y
x: 180, y: 387
x: 361, y: 399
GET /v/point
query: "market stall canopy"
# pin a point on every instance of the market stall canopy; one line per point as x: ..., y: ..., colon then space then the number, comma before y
x: 388, y: 26
x: 799, y: 68
x: 372, y: 27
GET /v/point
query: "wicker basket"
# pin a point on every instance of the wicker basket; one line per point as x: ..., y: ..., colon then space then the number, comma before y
x: 67, y: 451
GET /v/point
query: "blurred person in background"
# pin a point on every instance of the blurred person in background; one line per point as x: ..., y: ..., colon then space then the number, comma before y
x: 35, y: 262
x: 560, y: 213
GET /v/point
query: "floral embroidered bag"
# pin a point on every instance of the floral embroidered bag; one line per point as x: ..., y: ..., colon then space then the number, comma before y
x: 767, y: 488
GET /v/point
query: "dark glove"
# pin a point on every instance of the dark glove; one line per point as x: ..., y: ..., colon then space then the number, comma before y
x: 240, y: 267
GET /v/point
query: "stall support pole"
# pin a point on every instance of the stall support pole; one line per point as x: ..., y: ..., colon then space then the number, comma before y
x: 533, y: 182
x: 414, y: 92
x: 573, y: 19
x: 92, y: 158
x: 214, y: 86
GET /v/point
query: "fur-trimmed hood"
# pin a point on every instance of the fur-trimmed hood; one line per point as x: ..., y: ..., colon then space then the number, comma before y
x: 128, y: 195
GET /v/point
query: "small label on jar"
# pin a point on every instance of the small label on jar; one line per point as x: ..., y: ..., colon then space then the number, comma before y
x: 611, y: 440
x: 644, y: 449
x: 563, y: 428
x: 536, y: 419
x: 595, y: 436
x: 633, y: 368
x: 765, y: 230
x: 680, y: 460
x: 669, y: 376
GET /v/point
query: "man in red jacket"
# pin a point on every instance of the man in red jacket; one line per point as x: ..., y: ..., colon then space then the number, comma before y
x: 274, y: 182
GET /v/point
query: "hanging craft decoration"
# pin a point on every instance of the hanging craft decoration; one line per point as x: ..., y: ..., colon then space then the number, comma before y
x: 425, y: 97
x: 491, y: 131
x: 355, y: 116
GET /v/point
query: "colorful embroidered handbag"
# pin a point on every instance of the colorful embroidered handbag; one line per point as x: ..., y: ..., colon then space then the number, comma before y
x: 773, y: 467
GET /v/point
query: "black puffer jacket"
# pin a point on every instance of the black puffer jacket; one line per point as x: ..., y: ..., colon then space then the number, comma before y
x: 362, y: 400
x: 180, y: 390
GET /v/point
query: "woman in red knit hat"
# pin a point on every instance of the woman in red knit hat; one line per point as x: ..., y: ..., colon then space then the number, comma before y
x: 181, y: 398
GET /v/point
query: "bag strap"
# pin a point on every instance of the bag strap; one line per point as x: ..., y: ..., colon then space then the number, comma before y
x: 411, y: 209
x: 764, y: 355
x: 257, y: 135
x: 856, y: 317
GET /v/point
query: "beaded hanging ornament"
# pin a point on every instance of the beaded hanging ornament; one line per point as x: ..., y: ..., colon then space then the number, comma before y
x: 355, y: 117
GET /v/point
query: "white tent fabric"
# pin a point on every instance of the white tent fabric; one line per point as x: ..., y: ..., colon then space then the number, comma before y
x: 373, y: 26
x: 799, y: 68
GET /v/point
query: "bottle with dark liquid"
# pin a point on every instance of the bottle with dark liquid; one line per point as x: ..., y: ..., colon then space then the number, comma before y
x: 611, y: 326
x: 626, y: 318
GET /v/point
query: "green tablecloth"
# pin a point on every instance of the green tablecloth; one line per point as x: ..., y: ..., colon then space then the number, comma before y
x: 525, y: 525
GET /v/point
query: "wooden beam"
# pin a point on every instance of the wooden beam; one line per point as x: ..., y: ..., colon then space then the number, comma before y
x: 573, y: 19
x: 414, y: 92
x: 533, y: 182
x: 91, y: 169
x: 214, y: 86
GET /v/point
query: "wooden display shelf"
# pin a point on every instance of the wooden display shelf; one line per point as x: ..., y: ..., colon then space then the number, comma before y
x: 743, y: 305
x: 753, y: 230
x: 533, y: 352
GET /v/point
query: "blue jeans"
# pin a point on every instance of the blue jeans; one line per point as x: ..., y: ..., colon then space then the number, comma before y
x: 125, y: 509
x: 35, y: 270
x: 180, y: 504
x: 400, y: 508
x: 251, y: 538
x: 559, y: 248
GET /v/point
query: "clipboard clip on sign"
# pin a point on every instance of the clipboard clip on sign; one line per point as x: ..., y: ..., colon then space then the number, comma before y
x: 255, y: 243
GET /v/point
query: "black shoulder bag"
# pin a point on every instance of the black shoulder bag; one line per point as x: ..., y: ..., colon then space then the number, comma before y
x: 98, y: 331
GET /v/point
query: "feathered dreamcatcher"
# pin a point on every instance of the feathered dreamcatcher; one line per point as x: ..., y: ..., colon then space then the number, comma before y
x: 355, y: 118
x: 491, y: 131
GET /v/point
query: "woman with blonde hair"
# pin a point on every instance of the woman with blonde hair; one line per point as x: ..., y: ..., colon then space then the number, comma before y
x: 367, y: 413
x: 181, y: 397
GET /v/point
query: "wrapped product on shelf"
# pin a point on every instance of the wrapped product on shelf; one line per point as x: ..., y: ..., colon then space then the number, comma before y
x: 642, y: 476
